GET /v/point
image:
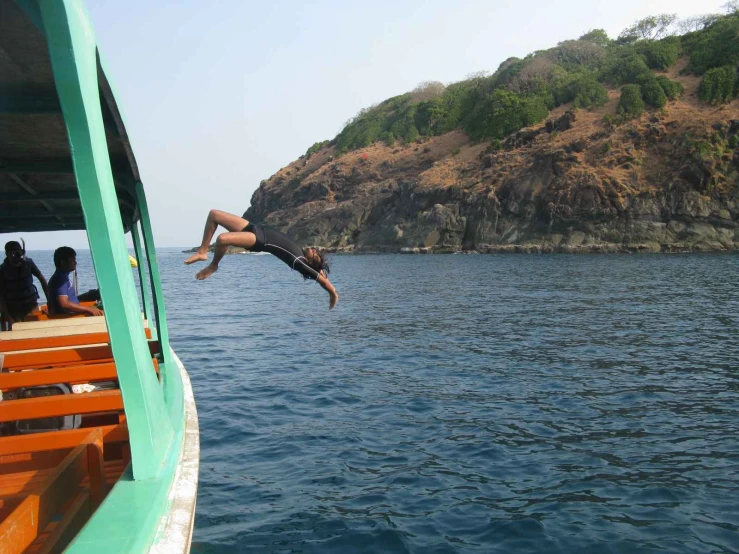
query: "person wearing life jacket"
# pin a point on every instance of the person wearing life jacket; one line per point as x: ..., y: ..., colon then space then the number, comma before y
x: 18, y: 295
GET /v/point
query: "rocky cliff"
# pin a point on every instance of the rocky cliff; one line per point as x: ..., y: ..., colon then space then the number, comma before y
x: 667, y: 181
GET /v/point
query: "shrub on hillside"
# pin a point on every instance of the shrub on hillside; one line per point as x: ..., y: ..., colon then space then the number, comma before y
x: 362, y: 131
x: 673, y: 90
x: 597, y: 36
x: 651, y: 92
x: 458, y: 100
x: 411, y: 135
x: 718, y: 85
x: 578, y: 54
x: 659, y: 54
x: 508, y: 70
x: 427, y: 90
x: 535, y: 75
x: 430, y: 116
x: 316, y: 147
x: 370, y: 123
x: 441, y: 115
x: 502, y: 112
x: 631, y: 103
x: 623, y: 65
x: 581, y: 89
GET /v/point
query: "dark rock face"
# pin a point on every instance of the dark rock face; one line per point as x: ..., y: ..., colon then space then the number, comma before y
x: 562, y: 123
x: 648, y: 185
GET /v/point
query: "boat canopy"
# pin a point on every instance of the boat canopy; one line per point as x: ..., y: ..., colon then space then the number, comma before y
x: 37, y: 180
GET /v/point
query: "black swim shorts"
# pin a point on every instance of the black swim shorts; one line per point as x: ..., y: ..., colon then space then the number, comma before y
x: 259, y: 233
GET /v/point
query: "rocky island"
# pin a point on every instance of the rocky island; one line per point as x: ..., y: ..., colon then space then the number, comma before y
x: 595, y: 145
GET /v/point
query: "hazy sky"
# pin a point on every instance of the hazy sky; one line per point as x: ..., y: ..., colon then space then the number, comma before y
x: 218, y: 96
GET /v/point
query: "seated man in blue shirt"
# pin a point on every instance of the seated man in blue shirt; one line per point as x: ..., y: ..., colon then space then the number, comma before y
x: 62, y: 296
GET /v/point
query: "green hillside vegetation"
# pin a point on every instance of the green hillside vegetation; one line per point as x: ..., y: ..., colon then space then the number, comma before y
x: 523, y: 90
x: 631, y: 103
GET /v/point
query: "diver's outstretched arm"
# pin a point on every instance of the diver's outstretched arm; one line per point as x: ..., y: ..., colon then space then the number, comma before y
x: 333, y: 295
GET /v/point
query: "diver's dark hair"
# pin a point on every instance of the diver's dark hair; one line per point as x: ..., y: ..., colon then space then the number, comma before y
x: 62, y: 254
x: 322, y: 265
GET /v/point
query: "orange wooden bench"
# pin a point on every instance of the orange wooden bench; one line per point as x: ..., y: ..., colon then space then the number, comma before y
x: 61, y: 493
x: 24, y: 444
x: 18, y: 361
x: 42, y: 313
x: 73, y: 375
x: 65, y: 341
x: 62, y: 405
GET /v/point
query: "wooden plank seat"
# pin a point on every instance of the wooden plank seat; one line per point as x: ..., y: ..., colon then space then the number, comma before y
x: 73, y: 375
x: 79, y: 322
x: 31, y: 329
x: 64, y: 341
x: 58, y: 440
x: 42, y: 313
x: 18, y: 361
x: 60, y: 497
x: 41, y: 329
x: 62, y: 405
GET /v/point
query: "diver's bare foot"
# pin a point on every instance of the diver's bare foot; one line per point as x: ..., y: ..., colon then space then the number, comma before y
x: 197, y: 257
x: 205, y: 273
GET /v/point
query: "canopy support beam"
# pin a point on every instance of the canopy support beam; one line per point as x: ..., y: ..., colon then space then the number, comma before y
x: 22, y: 184
x: 154, y: 276
x: 140, y: 256
x: 73, y: 56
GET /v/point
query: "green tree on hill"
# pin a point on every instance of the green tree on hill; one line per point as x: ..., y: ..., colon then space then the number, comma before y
x: 316, y: 147
x: 652, y: 93
x: 673, y: 90
x: 596, y: 36
x: 659, y: 54
x: 582, y: 89
x: 503, y: 112
x: 718, y: 85
x: 623, y: 66
x: 653, y: 27
x: 631, y: 103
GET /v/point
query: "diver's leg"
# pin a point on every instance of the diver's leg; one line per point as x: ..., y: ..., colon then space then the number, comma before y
x: 224, y: 240
x: 229, y: 221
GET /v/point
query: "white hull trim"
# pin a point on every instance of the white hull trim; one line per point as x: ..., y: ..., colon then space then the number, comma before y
x: 174, y: 534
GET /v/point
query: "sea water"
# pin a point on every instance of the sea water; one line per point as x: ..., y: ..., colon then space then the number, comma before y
x: 462, y: 403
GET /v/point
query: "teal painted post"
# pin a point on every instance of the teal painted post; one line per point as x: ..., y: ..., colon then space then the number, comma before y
x: 156, y: 280
x: 74, y: 62
x: 140, y: 256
